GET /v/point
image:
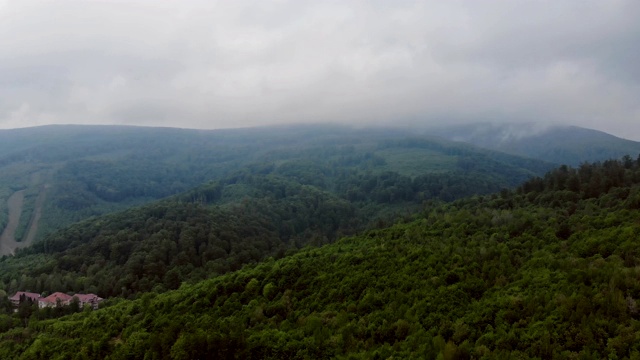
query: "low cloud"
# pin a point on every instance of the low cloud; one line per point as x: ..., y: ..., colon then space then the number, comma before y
x: 214, y: 64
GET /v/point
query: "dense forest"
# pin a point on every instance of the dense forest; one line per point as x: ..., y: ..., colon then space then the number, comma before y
x: 547, y: 270
x: 71, y: 173
x: 246, y: 217
x: 296, y: 195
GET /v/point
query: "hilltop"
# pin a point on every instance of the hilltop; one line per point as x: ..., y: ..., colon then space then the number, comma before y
x: 570, y: 145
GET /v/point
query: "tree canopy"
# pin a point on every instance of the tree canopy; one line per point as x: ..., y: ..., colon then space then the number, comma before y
x: 547, y: 270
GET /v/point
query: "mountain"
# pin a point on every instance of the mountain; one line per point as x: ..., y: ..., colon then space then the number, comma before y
x: 263, y: 210
x: 54, y: 176
x: 548, y: 270
x: 569, y: 145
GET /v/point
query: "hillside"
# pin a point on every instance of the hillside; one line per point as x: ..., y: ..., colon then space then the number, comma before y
x: 548, y: 270
x: 258, y: 212
x: 64, y: 174
x: 569, y: 145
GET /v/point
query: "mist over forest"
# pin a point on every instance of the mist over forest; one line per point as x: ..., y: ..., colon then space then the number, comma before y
x: 316, y: 241
x: 261, y: 179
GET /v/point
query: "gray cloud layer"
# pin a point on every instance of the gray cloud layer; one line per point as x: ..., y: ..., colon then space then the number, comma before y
x: 212, y: 64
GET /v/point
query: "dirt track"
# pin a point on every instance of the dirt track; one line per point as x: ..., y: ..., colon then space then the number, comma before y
x: 8, y: 243
x: 35, y: 217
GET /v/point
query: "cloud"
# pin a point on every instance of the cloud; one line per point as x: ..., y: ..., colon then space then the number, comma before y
x: 212, y: 64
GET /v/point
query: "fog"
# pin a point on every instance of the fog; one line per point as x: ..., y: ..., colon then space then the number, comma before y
x: 220, y: 64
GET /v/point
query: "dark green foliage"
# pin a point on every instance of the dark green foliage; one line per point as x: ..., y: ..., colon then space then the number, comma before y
x: 317, y: 186
x: 159, y: 246
x: 84, y: 171
x: 252, y: 214
x: 544, y: 271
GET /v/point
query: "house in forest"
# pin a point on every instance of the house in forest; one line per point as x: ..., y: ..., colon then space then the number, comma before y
x: 21, y: 296
x: 88, y: 300
x: 55, y: 299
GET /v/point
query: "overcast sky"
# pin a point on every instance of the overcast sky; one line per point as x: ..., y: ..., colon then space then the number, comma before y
x: 215, y: 64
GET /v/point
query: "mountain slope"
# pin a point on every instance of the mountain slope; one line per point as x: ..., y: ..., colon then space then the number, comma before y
x: 569, y: 145
x: 70, y: 173
x: 187, y: 238
x: 547, y: 271
x: 258, y: 212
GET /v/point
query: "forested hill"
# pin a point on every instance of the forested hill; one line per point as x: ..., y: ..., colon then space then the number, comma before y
x: 62, y: 174
x: 255, y: 213
x: 569, y: 145
x: 549, y: 270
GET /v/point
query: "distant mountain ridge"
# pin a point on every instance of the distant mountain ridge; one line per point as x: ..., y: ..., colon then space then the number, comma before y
x: 62, y: 174
x: 559, y: 144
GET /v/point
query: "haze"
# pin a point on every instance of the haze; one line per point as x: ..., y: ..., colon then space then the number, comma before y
x: 218, y: 64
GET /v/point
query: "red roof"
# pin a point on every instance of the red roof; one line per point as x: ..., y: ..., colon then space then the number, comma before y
x: 87, y: 297
x: 29, y: 295
x: 53, y: 298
